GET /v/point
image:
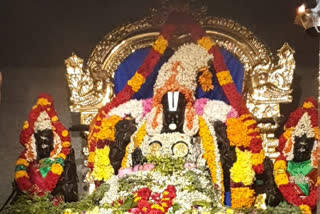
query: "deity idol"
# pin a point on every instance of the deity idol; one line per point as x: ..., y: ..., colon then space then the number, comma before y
x: 47, y: 164
x: 191, y: 149
x: 295, y: 170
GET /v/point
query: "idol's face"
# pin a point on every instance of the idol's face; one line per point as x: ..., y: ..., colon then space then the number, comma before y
x: 302, y: 148
x: 173, y: 112
x: 44, y: 143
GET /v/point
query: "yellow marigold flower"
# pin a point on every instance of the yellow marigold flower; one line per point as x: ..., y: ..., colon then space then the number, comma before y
x: 308, y: 105
x: 34, y: 107
x: 107, y: 128
x: 281, y: 179
x: 136, y: 81
x: 237, y: 133
x: 160, y: 44
x: 66, y: 144
x: 102, y: 168
x: 287, y: 134
x: 54, y: 119
x: 140, y: 136
x: 65, y: 133
x: 245, y: 116
x: 22, y: 161
x: 56, y: 169
x: 67, y: 211
x: 280, y: 164
x: 164, y: 204
x: 125, y: 158
x: 157, y: 207
x: 25, y: 125
x: 61, y: 155
x: 305, y: 209
x: 257, y: 158
x: 242, y: 197
x: 43, y: 102
x: 165, y: 193
x: 224, y: 77
x: 241, y: 170
x: 91, y: 157
x: 20, y: 174
x: 229, y: 211
x: 144, y: 209
x: 205, y: 42
x: 137, y: 199
x: 249, y: 122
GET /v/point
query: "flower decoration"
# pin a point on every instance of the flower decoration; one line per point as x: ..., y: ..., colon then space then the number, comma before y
x: 303, y: 121
x: 42, y: 116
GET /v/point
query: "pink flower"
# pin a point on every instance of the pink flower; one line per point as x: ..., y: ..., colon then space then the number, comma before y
x: 123, y: 172
x: 147, y: 106
x: 232, y: 114
x: 135, y: 210
x: 148, y: 167
x: 136, y: 168
x: 189, y: 165
x: 199, y: 105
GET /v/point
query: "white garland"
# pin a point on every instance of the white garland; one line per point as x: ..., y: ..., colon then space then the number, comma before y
x: 216, y: 110
x: 191, y: 57
x: 132, y: 107
x: 43, y: 122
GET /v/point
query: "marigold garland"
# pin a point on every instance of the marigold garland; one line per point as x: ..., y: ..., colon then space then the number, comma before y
x: 210, y: 155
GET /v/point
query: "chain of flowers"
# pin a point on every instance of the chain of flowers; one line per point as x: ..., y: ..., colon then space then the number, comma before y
x: 133, y: 84
x: 211, y: 155
x: 225, y: 81
x: 44, y: 104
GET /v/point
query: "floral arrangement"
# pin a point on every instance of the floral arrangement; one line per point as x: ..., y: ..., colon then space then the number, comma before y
x: 302, y: 121
x: 42, y: 116
x: 180, y: 74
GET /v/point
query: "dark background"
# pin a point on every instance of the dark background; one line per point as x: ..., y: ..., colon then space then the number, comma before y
x: 36, y: 36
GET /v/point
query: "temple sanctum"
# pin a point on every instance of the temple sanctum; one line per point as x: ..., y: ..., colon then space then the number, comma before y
x: 183, y: 106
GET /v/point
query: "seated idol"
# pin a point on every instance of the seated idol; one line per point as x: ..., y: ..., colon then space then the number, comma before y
x: 295, y: 170
x: 47, y: 165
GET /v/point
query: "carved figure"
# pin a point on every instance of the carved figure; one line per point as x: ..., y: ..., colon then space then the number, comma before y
x: 47, y: 164
x: 295, y: 170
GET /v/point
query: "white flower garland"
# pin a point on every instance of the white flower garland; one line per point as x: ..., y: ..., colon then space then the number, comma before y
x: 191, y: 57
x: 215, y: 110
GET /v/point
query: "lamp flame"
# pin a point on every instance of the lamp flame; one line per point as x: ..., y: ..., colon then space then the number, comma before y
x: 302, y: 9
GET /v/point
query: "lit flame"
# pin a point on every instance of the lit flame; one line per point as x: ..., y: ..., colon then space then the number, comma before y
x: 302, y: 9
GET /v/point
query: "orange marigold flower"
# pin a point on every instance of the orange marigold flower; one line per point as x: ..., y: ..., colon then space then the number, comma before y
x: 20, y: 174
x: 237, y: 133
x: 43, y: 102
x: 257, y: 158
x: 224, y: 77
x: 65, y: 133
x: 136, y: 81
x: 61, y: 155
x: 160, y: 44
x: 242, y: 197
x: 25, y: 125
x: 56, y: 169
x: 91, y: 157
x: 308, y: 105
x: 22, y: 161
x: 66, y: 144
x: 305, y: 209
x: 205, y: 42
x: 54, y: 119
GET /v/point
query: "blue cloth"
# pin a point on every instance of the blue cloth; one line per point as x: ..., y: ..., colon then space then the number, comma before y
x: 131, y: 64
x: 227, y: 199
